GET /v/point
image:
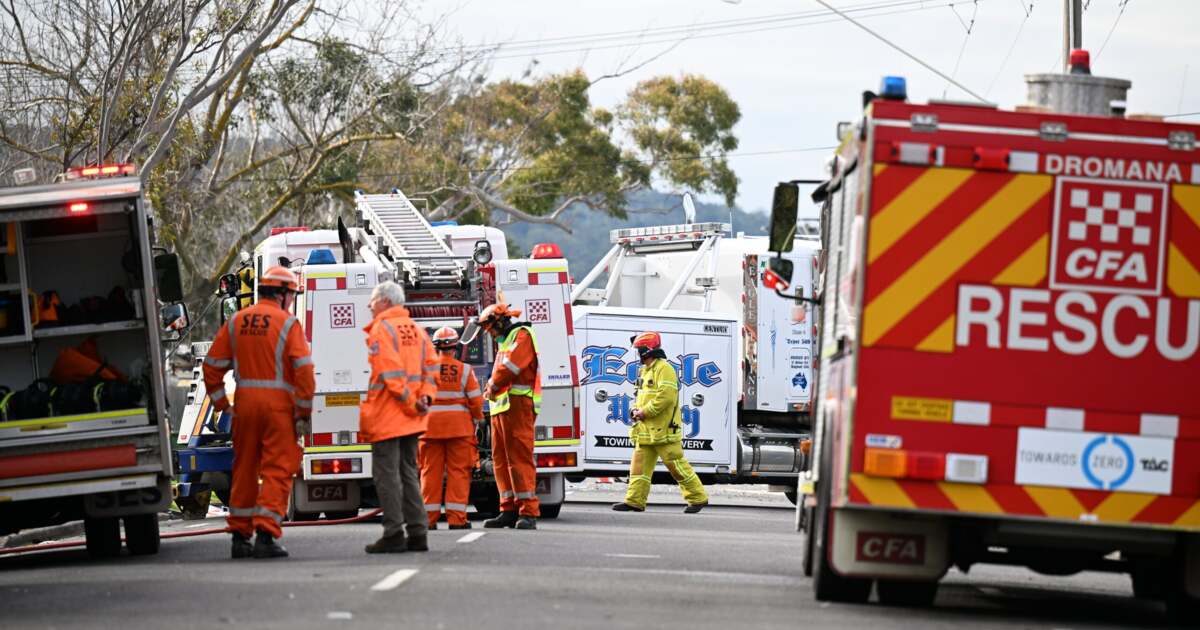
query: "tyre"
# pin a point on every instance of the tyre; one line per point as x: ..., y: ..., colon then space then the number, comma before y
x: 792, y: 495
x: 141, y: 534
x: 220, y: 484
x: 907, y: 593
x: 828, y: 586
x: 1150, y: 582
x: 341, y: 516
x: 487, y: 501
x: 806, y: 560
x: 551, y: 511
x: 103, y: 537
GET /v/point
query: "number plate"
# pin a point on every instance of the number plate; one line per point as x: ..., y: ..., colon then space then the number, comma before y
x: 326, y: 492
x: 128, y: 502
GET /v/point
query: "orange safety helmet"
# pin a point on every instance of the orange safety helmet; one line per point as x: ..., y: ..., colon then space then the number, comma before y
x: 445, y: 338
x: 648, y: 341
x: 492, y: 315
x: 281, y: 277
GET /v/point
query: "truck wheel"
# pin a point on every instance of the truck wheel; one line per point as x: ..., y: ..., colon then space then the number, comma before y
x: 827, y: 585
x: 1182, y: 609
x: 551, y: 511
x: 220, y: 484
x: 806, y: 561
x: 141, y: 534
x: 1149, y: 582
x: 487, y: 501
x: 103, y: 537
x: 907, y: 593
x: 792, y: 495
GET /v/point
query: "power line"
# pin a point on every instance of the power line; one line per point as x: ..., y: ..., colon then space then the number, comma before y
x: 1124, y: 3
x: 1011, y: 48
x: 961, y: 51
x: 1182, y: 115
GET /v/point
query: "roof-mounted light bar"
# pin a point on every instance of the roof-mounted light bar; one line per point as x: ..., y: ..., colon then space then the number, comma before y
x: 668, y: 233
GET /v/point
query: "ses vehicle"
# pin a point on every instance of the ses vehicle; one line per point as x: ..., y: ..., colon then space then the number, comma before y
x: 1008, y: 347
x: 86, y: 301
x: 445, y: 284
x: 740, y: 344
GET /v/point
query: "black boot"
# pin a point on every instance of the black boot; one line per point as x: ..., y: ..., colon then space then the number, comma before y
x: 466, y: 525
x: 527, y: 522
x: 625, y: 507
x: 241, y: 547
x: 418, y: 543
x: 506, y: 519
x: 266, y: 547
x: 388, y: 544
x: 694, y: 507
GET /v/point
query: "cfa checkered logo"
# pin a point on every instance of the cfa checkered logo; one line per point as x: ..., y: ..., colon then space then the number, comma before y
x: 341, y: 316
x: 1108, y: 236
x: 538, y: 311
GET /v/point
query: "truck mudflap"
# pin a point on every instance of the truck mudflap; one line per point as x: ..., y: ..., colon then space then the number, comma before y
x: 879, y: 544
x: 316, y: 496
x: 145, y: 499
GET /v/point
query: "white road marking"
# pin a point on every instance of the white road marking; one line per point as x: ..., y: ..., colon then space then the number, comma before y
x: 340, y: 615
x: 472, y: 537
x: 392, y: 581
x: 632, y: 555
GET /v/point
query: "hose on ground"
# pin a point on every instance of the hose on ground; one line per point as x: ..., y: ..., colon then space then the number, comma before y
x: 200, y: 532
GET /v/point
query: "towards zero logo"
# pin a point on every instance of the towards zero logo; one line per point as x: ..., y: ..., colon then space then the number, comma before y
x: 1108, y: 236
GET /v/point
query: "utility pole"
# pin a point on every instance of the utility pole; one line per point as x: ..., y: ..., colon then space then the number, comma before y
x: 1072, y: 30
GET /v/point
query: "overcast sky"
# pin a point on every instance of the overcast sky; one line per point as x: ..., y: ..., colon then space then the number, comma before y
x: 796, y: 73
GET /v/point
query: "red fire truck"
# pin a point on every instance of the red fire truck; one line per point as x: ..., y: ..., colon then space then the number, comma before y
x: 1008, y: 361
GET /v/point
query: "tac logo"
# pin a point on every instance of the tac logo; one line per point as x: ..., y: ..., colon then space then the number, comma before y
x: 1108, y: 236
x: 341, y: 316
x: 538, y: 311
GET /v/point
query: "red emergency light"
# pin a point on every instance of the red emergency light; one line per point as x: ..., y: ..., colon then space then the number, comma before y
x: 285, y: 230
x: 555, y: 460
x: 546, y: 250
x: 78, y: 207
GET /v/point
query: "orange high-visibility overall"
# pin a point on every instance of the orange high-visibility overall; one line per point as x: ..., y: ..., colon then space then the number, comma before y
x: 515, y: 398
x: 448, y: 446
x: 265, y: 347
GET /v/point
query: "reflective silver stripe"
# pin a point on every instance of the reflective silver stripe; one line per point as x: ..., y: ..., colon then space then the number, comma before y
x: 448, y: 396
x: 466, y: 373
x: 280, y: 345
x: 304, y: 404
x: 433, y: 507
x: 507, y: 494
x: 237, y: 511
x: 474, y: 393
x: 437, y: 408
x: 415, y: 378
x: 526, y: 495
x: 383, y: 376
x: 262, y: 511
x: 261, y: 384
x: 374, y: 387
x: 431, y: 380
x: 392, y: 331
x: 233, y: 345
x: 301, y: 362
x: 218, y: 363
x: 457, y: 507
x: 512, y: 367
x: 217, y: 394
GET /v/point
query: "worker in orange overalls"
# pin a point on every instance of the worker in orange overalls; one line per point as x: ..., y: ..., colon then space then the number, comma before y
x: 265, y: 347
x: 514, y: 394
x: 448, y: 446
x: 403, y: 368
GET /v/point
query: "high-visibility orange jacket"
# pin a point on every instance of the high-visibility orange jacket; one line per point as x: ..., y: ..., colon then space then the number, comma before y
x: 515, y: 369
x: 457, y: 403
x: 265, y: 347
x: 403, y: 366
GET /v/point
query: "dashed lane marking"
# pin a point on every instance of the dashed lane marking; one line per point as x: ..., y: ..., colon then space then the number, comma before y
x: 472, y: 537
x: 395, y: 579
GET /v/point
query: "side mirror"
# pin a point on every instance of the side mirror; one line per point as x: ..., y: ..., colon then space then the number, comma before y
x: 470, y: 332
x: 229, y: 308
x: 783, y: 217
x: 166, y: 276
x: 175, y: 320
x: 229, y: 285
x: 778, y: 274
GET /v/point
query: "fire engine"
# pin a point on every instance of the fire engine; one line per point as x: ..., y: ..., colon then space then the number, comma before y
x: 1010, y: 313
x: 340, y: 268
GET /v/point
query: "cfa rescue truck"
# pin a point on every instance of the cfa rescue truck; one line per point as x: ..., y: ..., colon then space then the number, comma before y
x: 339, y: 269
x: 1008, y: 358
x: 742, y: 349
x: 83, y: 424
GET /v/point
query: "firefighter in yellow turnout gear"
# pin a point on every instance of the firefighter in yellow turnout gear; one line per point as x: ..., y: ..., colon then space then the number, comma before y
x: 657, y: 431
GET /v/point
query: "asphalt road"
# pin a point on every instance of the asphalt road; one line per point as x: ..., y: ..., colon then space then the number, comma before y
x: 728, y: 567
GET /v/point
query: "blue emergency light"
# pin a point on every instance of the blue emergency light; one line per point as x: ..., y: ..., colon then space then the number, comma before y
x: 321, y: 257
x: 893, y: 88
x: 441, y: 223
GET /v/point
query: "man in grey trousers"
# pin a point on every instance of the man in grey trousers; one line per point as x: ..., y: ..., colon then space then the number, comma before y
x: 403, y: 366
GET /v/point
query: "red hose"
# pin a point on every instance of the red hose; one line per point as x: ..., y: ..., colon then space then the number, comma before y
x: 199, y: 532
